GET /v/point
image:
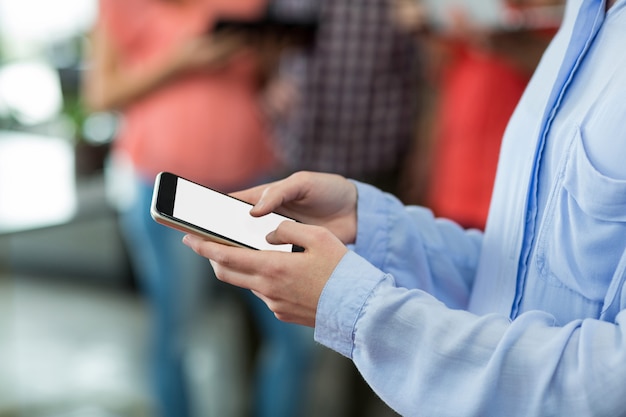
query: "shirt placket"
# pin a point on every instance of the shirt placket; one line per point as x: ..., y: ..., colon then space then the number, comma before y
x: 588, y: 22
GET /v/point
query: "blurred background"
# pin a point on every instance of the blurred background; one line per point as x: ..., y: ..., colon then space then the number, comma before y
x: 71, y: 323
x: 74, y: 324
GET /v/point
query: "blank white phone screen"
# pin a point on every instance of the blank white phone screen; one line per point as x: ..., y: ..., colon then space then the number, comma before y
x: 225, y: 216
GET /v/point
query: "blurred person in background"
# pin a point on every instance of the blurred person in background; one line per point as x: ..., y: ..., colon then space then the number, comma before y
x: 190, y: 105
x: 479, y: 76
x: 348, y: 106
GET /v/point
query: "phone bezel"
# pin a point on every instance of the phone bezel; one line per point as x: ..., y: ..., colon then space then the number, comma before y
x: 162, y: 209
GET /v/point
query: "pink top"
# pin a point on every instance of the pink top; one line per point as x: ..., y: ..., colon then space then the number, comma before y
x: 206, y: 126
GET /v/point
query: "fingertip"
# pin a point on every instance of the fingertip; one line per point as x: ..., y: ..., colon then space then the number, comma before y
x: 272, y: 238
x: 260, y: 208
x: 257, y: 209
x: 189, y: 239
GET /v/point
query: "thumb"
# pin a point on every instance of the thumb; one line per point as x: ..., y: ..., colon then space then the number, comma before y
x: 304, y: 235
x: 288, y: 232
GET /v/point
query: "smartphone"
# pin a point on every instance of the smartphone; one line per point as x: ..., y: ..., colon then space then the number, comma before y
x: 193, y: 208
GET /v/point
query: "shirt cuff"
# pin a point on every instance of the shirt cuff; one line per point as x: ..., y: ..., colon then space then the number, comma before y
x: 342, y: 300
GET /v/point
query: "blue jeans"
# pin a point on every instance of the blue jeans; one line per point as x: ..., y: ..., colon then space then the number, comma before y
x: 174, y: 280
x: 284, y: 364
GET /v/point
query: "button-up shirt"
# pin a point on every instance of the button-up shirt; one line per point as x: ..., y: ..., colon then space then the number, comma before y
x: 528, y: 318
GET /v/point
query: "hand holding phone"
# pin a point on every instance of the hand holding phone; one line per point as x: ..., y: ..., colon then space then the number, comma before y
x: 291, y: 285
x: 192, y: 208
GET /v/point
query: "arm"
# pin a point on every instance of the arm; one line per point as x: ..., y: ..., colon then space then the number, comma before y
x: 424, y: 358
x: 421, y: 356
x: 110, y: 85
x: 420, y: 251
x: 291, y: 283
x: 389, y: 235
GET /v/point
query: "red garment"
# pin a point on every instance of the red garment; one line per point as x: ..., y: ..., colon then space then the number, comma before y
x: 478, y: 97
x: 206, y: 126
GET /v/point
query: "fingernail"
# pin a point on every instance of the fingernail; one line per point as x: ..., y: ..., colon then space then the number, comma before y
x: 187, y: 240
x: 259, y: 205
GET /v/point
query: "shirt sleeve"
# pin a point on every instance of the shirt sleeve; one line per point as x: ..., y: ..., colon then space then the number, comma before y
x: 391, y: 246
x: 417, y: 249
x: 424, y: 356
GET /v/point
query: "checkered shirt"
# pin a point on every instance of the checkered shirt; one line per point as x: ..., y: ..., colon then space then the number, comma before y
x: 356, y: 113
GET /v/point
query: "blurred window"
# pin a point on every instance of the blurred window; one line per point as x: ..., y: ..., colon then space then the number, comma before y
x: 28, y: 26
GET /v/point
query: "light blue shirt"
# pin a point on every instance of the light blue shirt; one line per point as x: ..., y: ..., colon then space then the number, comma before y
x: 527, y: 319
